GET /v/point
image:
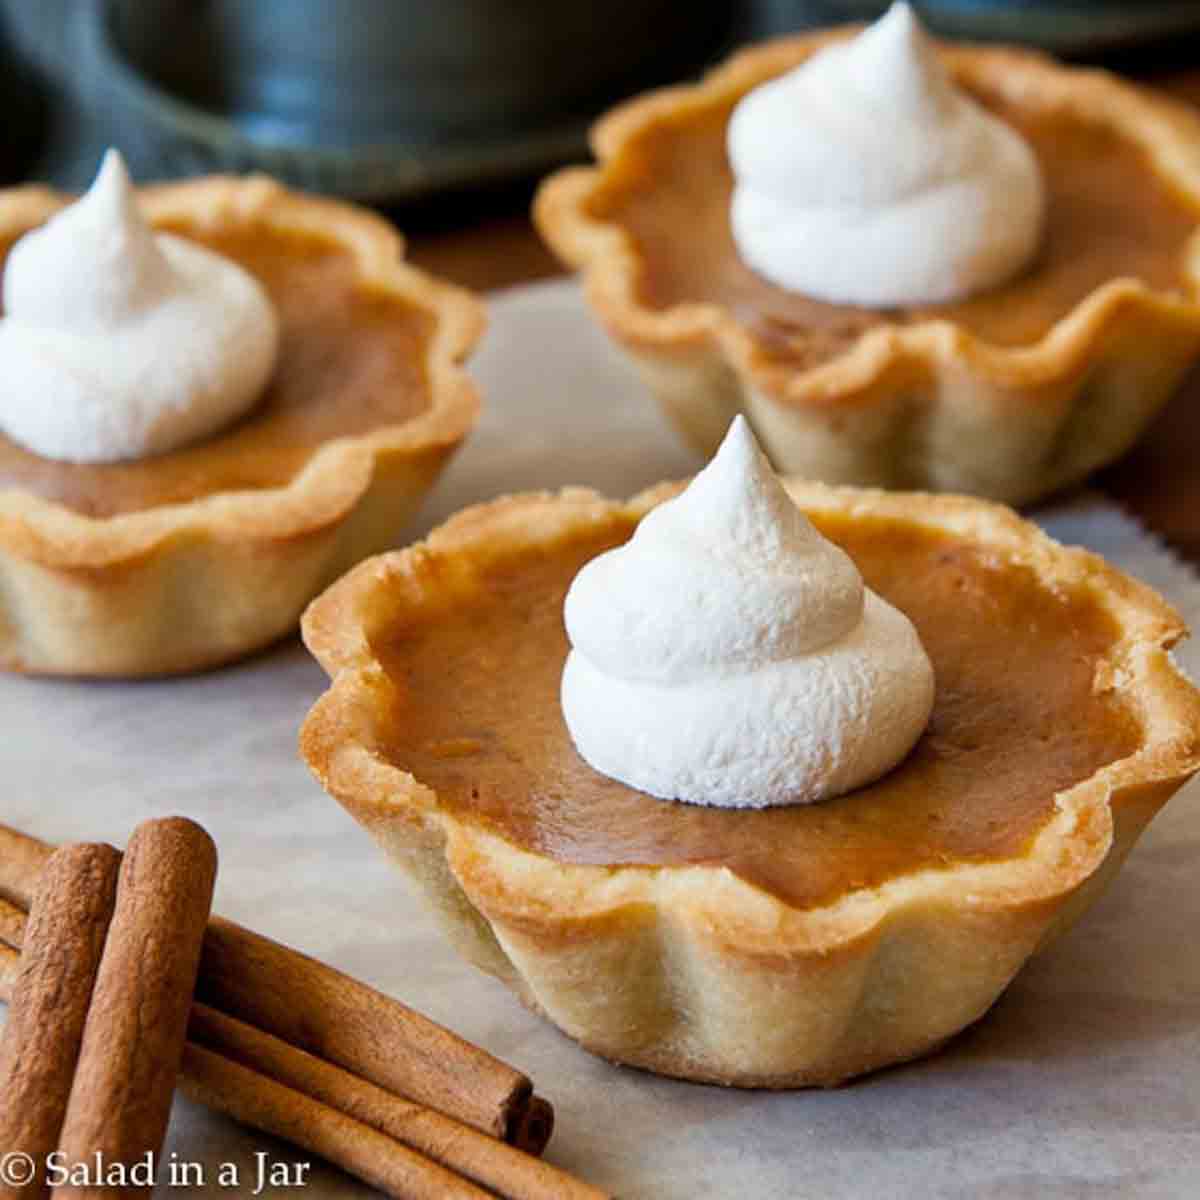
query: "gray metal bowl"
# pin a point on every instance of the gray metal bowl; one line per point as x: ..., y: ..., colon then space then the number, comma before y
x: 373, y: 99
x: 354, y: 73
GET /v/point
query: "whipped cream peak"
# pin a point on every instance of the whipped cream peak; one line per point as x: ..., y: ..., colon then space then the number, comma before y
x: 737, y: 506
x: 725, y: 573
x: 729, y: 654
x: 866, y: 176
x: 119, y: 342
x: 895, y: 60
x: 112, y: 247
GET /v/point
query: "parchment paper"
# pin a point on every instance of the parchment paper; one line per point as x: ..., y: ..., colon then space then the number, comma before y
x: 1084, y: 1080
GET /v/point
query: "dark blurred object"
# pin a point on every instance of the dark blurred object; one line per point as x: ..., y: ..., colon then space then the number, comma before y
x: 353, y: 73
x: 1075, y: 27
x: 23, y: 105
x: 373, y: 99
x: 388, y: 100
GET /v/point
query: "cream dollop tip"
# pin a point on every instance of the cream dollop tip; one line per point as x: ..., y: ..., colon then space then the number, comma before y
x: 867, y: 176
x: 119, y: 342
x: 728, y: 654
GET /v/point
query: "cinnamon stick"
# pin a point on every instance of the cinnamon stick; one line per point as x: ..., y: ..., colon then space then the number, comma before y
x: 136, y: 1026
x: 22, y: 859
x: 12, y: 919
x: 255, y: 1100
x: 311, y: 1005
x: 63, y: 941
x: 334, y: 1017
x: 493, y: 1164
x: 10, y: 970
x: 534, y: 1126
x: 315, y: 1088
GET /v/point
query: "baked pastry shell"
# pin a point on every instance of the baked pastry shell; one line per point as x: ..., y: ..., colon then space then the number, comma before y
x: 927, y: 405
x: 179, y: 587
x: 690, y: 971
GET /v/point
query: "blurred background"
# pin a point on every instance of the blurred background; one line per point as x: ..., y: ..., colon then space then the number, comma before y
x: 394, y: 101
x: 445, y: 114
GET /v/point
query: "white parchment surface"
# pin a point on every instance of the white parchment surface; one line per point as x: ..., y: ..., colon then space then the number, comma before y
x: 1084, y: 1080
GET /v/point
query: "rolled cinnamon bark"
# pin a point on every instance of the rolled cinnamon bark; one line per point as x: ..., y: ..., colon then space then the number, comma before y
x: 10, y: 968
x: 62, y: 941
x: 313, y: 1006
x: 21, y: 861
x: 320, y: 1086
x: 292, y: 996
x: 493, y: 1164
x: 255, y: 1100
x: 13, y: 919
x: 136, y: 1026
x: 533, y: 1126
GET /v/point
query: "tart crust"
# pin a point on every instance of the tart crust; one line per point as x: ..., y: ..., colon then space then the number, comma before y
x: 690, y: 970
x: 184, y: 586
x: 923, y: 405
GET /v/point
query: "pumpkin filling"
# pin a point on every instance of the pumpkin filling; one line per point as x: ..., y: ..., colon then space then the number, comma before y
x: 1109, y: 216
x: 1018, y: 717
x: 351, y: 360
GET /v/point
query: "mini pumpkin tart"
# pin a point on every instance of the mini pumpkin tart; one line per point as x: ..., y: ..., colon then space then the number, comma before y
x: 192, y: 557
x: 1010, y: 393
x: 773, y: 947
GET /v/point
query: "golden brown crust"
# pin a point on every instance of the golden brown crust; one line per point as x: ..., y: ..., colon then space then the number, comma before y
x: 182, y: 586
x: 691, y: 971
x: 1008, y: 422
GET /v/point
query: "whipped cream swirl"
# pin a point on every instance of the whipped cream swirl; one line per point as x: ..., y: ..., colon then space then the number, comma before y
x: 865, y: 176
x: 728, y: 654
x: 120, y: 343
